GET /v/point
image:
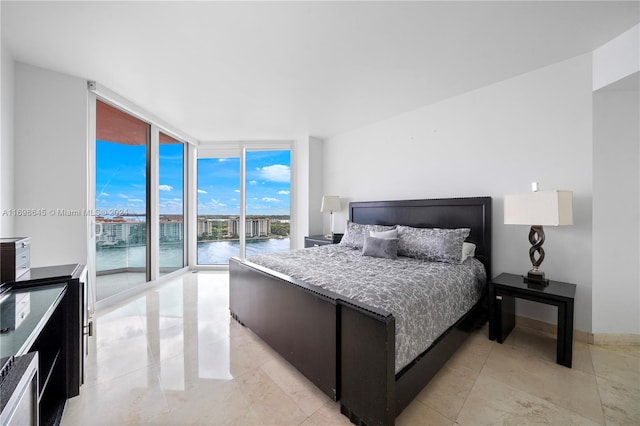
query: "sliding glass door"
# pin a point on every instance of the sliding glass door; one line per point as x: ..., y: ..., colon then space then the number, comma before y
x: 121, y: 200
x: 127, y: 228
x: 224, y: 228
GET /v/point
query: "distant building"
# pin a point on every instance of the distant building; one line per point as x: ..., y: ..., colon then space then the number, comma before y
x: 114, y: 231
x: 281, y: 220
x: 253, y: 227
x: 217, y: 227
x: 204, y: 226
x: 121, y: 230
x: 171, y: 228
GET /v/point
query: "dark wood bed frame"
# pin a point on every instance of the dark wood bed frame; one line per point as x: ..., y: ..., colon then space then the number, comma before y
x: 347, y: 348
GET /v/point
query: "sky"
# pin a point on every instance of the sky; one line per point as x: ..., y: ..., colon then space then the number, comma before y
x: 268, y: 184
x: 121, y: 187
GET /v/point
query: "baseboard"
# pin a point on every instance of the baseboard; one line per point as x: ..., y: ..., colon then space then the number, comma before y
x: 581, y: 336
x: 616, y: 339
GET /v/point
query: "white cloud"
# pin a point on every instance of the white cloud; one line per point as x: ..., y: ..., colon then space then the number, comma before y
x: 237, y: 190
x: 104, y: 194
x: 123, y: 196
x: 276, y: 173
x: 253, y: 182
x: 202, y: 191
x: 165, y: 187
x: 270, y: 200
x: 283, y: 192
x: 136, y: 200
x: 171, y: 205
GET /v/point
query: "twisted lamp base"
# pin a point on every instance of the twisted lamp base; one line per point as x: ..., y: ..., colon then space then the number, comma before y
x: 536, y: 254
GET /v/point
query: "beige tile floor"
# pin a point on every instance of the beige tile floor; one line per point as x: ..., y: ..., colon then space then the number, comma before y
x: 173, y: 356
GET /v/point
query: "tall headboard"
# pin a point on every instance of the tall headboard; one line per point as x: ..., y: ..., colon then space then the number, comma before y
x: 474, y: 213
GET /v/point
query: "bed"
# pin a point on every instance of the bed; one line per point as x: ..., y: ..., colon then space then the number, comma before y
x: 346, y: 347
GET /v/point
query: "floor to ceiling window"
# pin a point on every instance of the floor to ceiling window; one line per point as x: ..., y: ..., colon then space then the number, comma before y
x: 218, y: 208
x: 139, y: 228
x: 267, y: 199
x: 121, y: 200
x: 171, y: 204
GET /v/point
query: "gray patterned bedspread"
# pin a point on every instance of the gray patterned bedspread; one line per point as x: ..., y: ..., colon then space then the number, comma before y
x: 425, y: 298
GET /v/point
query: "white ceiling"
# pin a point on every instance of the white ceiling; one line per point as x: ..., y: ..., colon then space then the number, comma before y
x: 273, y: 70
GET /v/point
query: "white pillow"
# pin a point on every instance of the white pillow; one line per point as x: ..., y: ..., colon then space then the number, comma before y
x: 385, y: 235
x: 468, y: 250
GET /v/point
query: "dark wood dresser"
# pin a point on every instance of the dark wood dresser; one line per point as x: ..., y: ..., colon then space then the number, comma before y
x: 44, y: 311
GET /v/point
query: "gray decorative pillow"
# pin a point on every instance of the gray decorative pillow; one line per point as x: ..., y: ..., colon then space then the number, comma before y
x: 434, y: 244
x: 355, y: 233
x: 380, y: 247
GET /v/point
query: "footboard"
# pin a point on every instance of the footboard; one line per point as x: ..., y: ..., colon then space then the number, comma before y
x: 296, y: 320
x: 346, y: 349
x: 371, y: 393
x: 367, y: 364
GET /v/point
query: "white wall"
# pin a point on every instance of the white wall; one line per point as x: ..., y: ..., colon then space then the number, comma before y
x: 616, y: 211
x: 6, y: 141
x: 316, y: 165
x: 306, y: 189
x: 617, y: 59
x: 51, y: 163
x: 299, y: 191
x: 616, y: 218
x: 492, y: 141
x: 616, y: 186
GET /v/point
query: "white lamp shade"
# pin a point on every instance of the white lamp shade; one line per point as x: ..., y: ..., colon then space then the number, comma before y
x: 549, y: 208
x: 330, y: 203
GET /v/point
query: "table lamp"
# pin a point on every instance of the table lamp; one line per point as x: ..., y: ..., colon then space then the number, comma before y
x: 538, y: 209
x: 330, y: 203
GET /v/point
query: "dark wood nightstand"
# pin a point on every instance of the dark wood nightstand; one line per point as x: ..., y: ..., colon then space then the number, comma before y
x: 502, y: 293
x: 321, y: 240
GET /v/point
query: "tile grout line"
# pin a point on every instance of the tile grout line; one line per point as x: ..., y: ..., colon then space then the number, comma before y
x: 595, y: 376
x: 475, y: 381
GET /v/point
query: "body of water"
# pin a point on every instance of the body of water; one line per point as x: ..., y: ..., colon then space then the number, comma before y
x: 209, y: 253
x: 219, y: 252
